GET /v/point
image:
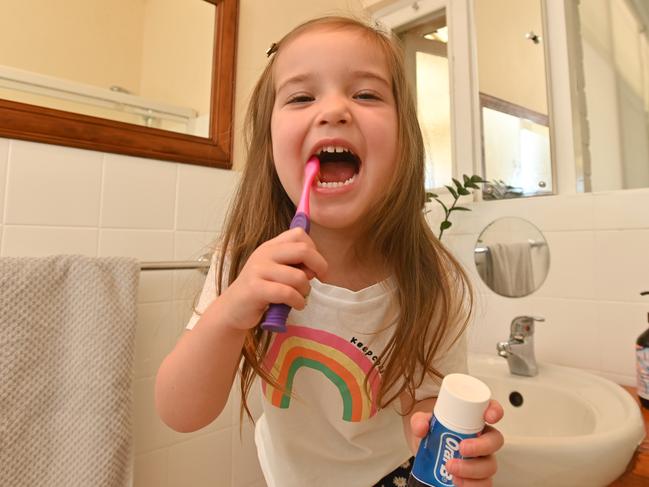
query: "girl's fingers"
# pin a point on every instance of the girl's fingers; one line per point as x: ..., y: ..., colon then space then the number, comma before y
x: 494, y: 412
x: 481, y: 468
x: 420, y: 423
x: 290, y: 276
x: 273, y: 292
x: 487, y: 443
x: 296, y: 253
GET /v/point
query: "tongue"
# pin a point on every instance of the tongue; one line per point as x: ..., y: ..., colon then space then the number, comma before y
x: 336, y: 171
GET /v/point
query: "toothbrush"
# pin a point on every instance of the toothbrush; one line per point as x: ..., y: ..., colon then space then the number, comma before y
x: 275, y: 318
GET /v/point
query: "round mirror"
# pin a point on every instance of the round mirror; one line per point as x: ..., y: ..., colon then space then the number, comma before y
x: 512, y: 257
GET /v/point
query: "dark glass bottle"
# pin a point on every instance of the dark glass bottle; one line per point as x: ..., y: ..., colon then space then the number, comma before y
x: 642, y: 364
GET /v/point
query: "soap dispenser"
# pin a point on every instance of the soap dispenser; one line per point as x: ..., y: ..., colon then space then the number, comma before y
x: 642, y: 363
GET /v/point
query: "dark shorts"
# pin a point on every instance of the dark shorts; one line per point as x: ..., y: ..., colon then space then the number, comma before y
x: 398, y: 477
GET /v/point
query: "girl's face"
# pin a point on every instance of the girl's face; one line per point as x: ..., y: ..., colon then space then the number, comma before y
x: 334, y: 99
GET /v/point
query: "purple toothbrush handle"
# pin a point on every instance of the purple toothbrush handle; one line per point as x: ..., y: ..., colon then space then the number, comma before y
x: 301, y: 220
x: 275, y: 317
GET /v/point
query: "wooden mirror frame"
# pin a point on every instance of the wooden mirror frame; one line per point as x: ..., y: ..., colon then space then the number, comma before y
x: 50, y: 126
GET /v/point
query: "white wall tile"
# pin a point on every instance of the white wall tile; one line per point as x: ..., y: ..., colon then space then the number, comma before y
x: 154, y: 337
x: 149, y: 432
x: 204, y: 461
x: 570, y: 334
x: 572, y: 265
x: 151, y: 469
x: 4, y: 160
x: 155, y: 286
x: 622, y: 209
x: 462, y: 247
x: 548, y: 213
x: 32, y: 241
x: 203, y: 197
x: 146, y: 245
x: 138, y: 193
x: 563, y: 212
x: 622, y: 265
x: 620, y: 324
x: 191, y: 246
x: 51, y: 185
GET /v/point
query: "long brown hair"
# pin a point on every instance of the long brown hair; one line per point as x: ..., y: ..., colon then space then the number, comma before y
x: 434, y: 296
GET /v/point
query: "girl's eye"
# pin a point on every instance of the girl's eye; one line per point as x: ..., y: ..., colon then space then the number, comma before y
x: 367, y: 95
x: 300, y: 99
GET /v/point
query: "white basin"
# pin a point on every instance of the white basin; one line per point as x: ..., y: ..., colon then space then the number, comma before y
x: 573, y: 428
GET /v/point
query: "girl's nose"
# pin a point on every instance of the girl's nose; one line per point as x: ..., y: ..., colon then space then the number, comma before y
x: 334, y: 112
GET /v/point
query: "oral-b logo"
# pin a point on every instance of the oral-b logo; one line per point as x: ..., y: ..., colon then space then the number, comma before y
x: 449, y: 445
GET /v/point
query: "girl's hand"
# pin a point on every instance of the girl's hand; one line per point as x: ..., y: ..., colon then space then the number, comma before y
x: 479, y: 464
x: 278, y: 271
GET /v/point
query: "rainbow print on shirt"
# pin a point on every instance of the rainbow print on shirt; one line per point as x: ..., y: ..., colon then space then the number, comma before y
x: 344, y: 364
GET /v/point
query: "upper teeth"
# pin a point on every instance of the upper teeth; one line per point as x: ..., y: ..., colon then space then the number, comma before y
x: 333, y: 148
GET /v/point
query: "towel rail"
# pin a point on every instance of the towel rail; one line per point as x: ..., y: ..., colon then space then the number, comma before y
x: 202, y: 263
x: 485, y: 249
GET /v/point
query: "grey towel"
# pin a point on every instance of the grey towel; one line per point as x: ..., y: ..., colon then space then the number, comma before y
x: 67, y: 327
x: 511, y: 269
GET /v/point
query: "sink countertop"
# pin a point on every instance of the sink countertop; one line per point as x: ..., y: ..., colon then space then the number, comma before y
x: 637, y: 472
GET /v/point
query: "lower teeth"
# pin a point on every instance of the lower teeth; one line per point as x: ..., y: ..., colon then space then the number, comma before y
x: 336, y: 184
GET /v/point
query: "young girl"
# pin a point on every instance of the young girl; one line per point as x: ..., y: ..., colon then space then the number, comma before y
x: 379, y: 306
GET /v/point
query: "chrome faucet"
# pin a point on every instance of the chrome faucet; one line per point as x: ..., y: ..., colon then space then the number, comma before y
x: 519, y: 350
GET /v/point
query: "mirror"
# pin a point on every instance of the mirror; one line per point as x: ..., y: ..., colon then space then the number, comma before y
x: 425, y: 54
x: 515, y: 129
x: 147, y: 78
x: 512, y: 257
x: 609, y: 59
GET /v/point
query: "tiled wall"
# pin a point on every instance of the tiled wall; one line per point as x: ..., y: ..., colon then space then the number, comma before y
x: 599, y: 252
x: 58, y: 200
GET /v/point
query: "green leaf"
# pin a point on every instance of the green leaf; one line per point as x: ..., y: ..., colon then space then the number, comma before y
x: 471, y: 185
x: 431, y: 195
x: 466, y: 179
x: 477, y: 179
x: 443, y: 205
x: 452, y: 191
x: 463, y: 191
x: 445, y: 224
x: 458, y: 184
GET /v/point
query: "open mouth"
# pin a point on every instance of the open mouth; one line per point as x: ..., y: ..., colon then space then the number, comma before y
x: 338, y: 166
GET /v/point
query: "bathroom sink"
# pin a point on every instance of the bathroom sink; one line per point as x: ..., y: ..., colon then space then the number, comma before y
x: 563, y: 427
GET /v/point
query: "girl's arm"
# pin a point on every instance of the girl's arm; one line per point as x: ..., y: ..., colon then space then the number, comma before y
x: 194, y: 380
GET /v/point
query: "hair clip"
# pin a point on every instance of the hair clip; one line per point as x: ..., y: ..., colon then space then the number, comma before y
x: 272, y: 49
x: 381, y: 28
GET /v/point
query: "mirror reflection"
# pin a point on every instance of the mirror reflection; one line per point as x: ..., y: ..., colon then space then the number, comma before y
x: 610, y: 61
x: 426, y: 61
x: 147, y: 63
x: 513, y: 98
x: 512, y: 257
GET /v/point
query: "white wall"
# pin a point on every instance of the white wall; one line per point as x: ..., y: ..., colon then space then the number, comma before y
x: 599, y: 263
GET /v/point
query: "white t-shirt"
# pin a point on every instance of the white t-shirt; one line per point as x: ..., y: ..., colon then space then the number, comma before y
x: 329, y: 432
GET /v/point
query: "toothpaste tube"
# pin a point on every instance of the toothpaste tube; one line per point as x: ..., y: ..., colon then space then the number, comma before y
x: 458, y: 414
